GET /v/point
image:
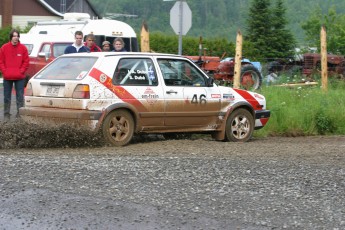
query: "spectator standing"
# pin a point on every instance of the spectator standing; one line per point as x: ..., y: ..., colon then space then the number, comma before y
x: 119, y: 45
x: 106, y: 46
x: 14, y: 61
x: 90, y: 43
x: 77, y: 46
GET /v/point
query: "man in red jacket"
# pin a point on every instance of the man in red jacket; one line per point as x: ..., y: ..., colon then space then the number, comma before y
x: 91, y: 43
x: 14, y: 61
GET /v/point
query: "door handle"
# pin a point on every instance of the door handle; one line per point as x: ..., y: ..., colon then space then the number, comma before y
x: 171, y: 91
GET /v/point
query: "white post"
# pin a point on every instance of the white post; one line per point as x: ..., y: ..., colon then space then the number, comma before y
x: 180, y: 28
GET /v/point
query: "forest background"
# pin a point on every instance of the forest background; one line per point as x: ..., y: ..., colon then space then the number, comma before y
x: 267, y: 35
x: 210, y: 18
x: 271, y: 28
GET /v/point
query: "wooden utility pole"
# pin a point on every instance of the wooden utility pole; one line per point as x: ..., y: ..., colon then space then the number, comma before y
x: 324, y: 67
x: 6, y: 10
x: 145, y: 38
x: 238, y: 59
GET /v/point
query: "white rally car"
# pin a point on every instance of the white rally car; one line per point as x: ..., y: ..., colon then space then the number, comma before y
x: 123, y: 94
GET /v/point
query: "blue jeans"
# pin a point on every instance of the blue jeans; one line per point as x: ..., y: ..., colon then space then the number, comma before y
x: 19, y: 87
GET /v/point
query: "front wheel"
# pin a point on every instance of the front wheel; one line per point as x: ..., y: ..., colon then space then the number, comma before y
x: 118, y: 128
x: 239, y: 126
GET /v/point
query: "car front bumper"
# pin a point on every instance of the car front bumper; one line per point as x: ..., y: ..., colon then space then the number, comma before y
x: 261, y: 118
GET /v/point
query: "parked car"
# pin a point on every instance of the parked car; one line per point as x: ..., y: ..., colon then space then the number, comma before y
x: 43, y: 49
x: 123, y: 94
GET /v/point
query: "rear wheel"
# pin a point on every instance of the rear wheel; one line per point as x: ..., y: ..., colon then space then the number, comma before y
x: 118, y: 128
x: 250, y: 77
x: 239, y: 126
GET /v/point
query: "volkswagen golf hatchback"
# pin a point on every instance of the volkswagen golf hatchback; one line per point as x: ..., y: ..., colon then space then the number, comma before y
x: 124, y: 94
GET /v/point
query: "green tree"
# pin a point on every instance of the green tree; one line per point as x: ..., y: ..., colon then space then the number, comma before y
x: 4, y: 35
x: 259, y: 25
x: 267, y: 30
x: 5, y: 32
x: 334, y: 24
x: 283, y: 42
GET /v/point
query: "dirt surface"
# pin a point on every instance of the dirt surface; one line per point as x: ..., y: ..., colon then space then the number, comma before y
x: 63, y: 179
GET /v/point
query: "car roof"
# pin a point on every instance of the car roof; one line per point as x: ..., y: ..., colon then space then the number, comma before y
x: 127, y: 54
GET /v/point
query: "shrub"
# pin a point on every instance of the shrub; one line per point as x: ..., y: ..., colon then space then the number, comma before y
x: 324, y: 123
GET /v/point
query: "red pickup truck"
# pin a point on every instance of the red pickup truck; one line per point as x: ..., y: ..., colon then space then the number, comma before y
x: 43, y: 49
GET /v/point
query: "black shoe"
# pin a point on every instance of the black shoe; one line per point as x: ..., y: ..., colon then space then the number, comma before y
x: 7, y: 118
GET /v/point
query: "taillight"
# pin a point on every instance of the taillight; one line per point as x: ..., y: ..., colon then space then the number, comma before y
x: 28, y: 90
x: 81, y: 92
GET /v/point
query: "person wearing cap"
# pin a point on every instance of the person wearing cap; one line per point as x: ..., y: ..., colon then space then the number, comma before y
x: 106, y: 46
x: 14, y: 61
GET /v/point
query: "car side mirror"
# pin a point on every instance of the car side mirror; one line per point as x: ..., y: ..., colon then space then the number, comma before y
x: 210, y: 81
x: 44, y: 54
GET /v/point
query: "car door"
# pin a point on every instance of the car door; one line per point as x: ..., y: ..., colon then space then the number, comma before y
x: 188, y: 99
x: 136, y: 83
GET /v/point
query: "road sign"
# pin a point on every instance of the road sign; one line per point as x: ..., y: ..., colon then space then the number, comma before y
x: 181, y: 17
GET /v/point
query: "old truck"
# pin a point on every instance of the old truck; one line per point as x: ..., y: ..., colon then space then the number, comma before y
x: 222, y: 70
x: 307, y: 64
x: 43, y: 49
x: 312, y: 64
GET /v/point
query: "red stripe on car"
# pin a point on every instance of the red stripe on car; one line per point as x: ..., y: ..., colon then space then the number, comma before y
x: 119, y: 91
x: 248, y: 97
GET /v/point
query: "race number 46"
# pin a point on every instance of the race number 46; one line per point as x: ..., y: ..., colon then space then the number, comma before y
x: 199, y: 100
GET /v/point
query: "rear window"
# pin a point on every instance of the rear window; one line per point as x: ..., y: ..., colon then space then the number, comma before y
x: 68, y: 68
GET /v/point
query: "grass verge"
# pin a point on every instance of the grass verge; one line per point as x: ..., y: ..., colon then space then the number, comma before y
x: 305, y: 110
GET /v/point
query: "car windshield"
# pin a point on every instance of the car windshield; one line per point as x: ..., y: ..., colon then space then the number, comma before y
x: 68, y: 68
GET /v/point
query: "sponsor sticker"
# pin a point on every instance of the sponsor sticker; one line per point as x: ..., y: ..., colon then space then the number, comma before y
x: 150, y: 96
x: 81, y: 75
x: 215, y: 95
x: 229, y: 97
x: 102, y: 78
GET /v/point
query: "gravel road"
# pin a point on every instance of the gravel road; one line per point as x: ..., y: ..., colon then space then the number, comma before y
x: 267, y: 183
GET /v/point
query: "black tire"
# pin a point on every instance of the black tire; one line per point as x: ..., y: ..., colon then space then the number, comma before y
x: 254, y: 76
x: 239, y: 126
x: 118, y: 128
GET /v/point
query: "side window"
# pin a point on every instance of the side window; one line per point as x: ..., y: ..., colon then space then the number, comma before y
x: 135, y: 71
x: 180, y: 73
x: 46, y: 49
x: 29, y: 47
x: 59, y: 48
